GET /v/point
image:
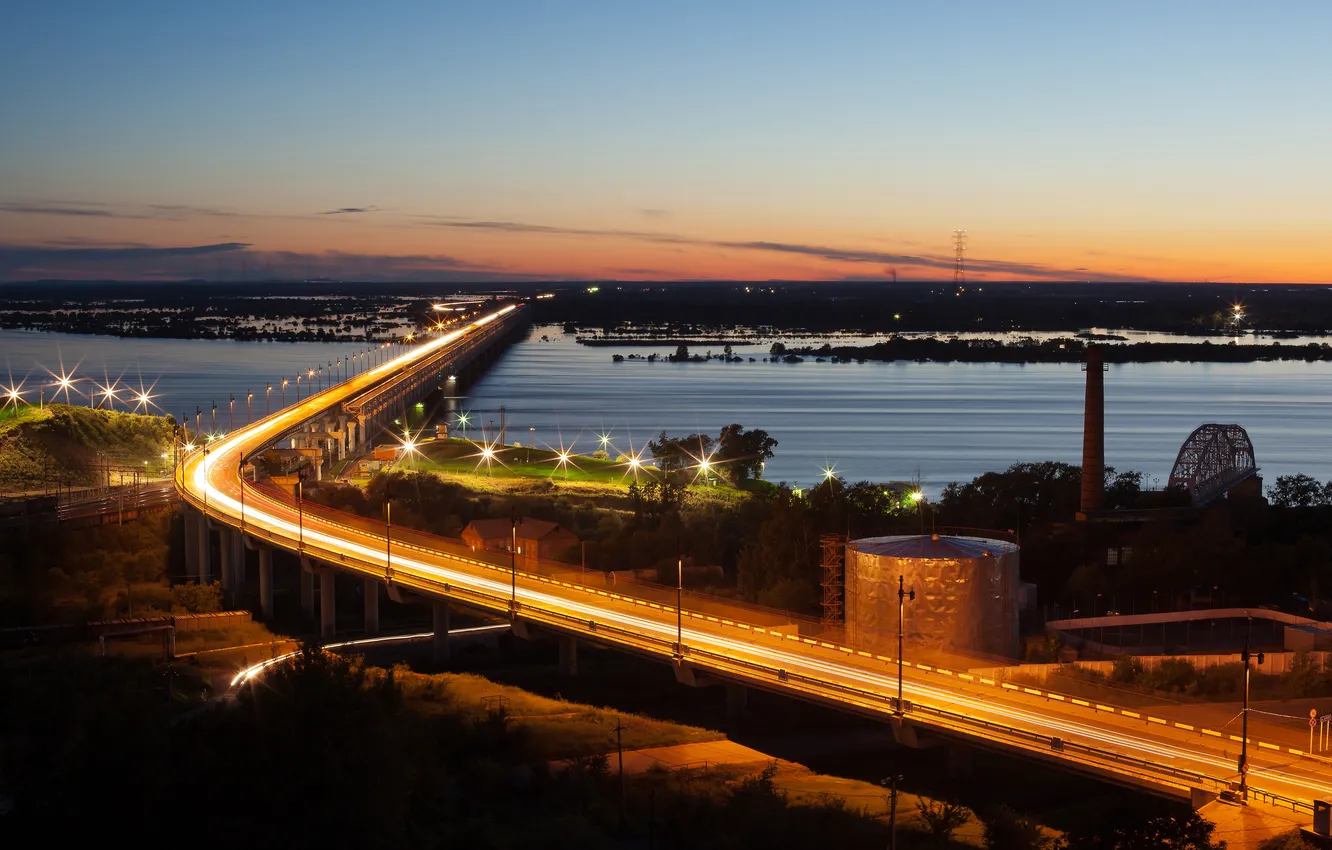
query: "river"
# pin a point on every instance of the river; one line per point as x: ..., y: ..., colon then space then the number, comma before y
x: 876, y: 421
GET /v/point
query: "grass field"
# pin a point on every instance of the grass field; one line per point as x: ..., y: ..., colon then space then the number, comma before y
x: 518, y: 471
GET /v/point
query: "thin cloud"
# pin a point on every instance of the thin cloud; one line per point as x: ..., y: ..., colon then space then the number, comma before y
x: 653, y: 213
x: 44, y: 208
x: 17, y: 258
x: 833, y: 254
x: 349, y: 210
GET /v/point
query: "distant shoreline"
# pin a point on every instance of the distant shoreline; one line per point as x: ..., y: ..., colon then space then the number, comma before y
x: 934, y: 350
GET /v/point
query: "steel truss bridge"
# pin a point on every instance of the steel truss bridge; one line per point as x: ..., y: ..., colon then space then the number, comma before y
x: 1212, y: 460
x: 707, y: 640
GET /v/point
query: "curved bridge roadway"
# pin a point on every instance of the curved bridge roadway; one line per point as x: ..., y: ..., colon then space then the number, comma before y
x: 1119, y: 745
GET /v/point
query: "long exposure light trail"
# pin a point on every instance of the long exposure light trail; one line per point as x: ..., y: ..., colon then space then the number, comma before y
x: 999, y: 717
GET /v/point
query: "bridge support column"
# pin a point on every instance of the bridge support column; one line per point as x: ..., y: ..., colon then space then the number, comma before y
x: 327, y: 609
x: 307, y: 592
x: 439, y: 641
x: 737, y: 700
x: 205, y: 550
x: 371, y: 590
x: 266, y: 583
x: 238, y: 573
x: 568, y: 655
x: 227, y: 559
x: 190, y: 518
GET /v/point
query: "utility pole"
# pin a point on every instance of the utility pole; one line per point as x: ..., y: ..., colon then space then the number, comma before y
x: 891, y: 782
x: 902, y: 595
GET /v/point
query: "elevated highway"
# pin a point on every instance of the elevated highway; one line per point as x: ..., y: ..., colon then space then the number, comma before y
x: 717, y: 643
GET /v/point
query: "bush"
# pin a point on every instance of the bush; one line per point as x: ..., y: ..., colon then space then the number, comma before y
x: 942, y: 819
x: 1005, y: 829
x: 192, y: 598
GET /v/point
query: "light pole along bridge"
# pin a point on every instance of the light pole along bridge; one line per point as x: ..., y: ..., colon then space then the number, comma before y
x: 706, y: 641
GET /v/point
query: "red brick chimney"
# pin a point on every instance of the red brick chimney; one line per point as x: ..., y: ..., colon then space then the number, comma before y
x: 1093, y: 434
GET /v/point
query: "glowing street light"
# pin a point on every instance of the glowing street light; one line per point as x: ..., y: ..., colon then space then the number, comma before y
x: 282, y: 392
x: 14, y: 394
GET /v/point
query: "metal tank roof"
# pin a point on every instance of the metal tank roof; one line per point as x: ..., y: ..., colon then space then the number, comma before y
x: 932, y: 547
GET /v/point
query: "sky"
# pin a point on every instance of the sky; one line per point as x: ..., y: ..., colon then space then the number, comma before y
x: 515, y: 141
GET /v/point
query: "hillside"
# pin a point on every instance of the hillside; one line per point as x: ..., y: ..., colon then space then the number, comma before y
x: 62, y: 443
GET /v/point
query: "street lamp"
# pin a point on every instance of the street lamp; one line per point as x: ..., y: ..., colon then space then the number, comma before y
x: 513, y: 563
x: 679, y: 600
x: 248, y: 396
x: 300, y: 516
x: 231, y: 413
x: 282, y: 392
x: 268, y: 390
x: 388, y: 540
x: 1244, y: 732
x: 902, y: 596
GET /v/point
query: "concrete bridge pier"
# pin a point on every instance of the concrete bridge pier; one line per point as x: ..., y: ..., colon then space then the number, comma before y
x: 266, y: 583
x: 568, y: 655
x: 737, y: 701
x: 225, y: 542
x: 439, y: 641
x: 190, y: 518
x: 205, y: 556
x: 327, y: 608
x: 307, y: 589
x: 371, y: 593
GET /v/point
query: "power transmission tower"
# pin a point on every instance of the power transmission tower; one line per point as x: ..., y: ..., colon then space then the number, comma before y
x: 960, y: 263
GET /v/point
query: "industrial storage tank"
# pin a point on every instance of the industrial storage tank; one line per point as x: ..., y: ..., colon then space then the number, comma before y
x: 966, y: 593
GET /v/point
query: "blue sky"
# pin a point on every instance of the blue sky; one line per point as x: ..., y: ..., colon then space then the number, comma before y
x: 1175, y: 140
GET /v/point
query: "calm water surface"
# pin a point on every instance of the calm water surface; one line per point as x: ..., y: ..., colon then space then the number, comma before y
x: 877, y: 421
x: 892, y: 421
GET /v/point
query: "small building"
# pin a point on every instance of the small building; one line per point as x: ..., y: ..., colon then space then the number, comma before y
x: 537, y: 539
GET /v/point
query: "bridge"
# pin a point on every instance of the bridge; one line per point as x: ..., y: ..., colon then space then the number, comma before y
x: 1213, y: 460
x: 706, y: 641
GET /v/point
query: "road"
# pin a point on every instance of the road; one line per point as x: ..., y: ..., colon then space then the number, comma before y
x: 1111, y: 743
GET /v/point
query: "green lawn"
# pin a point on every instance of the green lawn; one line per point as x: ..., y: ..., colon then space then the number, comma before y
x: 463, y: 460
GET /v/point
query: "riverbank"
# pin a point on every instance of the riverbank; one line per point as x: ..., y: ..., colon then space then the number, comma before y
x: 940, y: 349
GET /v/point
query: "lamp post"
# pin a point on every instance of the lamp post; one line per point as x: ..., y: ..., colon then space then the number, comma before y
x: 388, y: 540
x: 212, y: 429
x: 1244, y: 731
x: 282, y: 392
x: 902, y: 596
x: 248, y: 395
x: 679, y: 600
x: 268, y: 390
x: 513, y: 562
x: 300, y: 516
x: 231, y: 413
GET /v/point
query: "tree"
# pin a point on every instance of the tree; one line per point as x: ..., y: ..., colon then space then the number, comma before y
x: 672, y: 454
x: 942, y: 819
x: 1171, y: 831
x: 1297, y: 491
x: 742, y: 452
x: 1005, y: 829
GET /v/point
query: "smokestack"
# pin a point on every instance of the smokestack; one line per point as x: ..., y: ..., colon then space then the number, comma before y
x: 1093, y: 434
